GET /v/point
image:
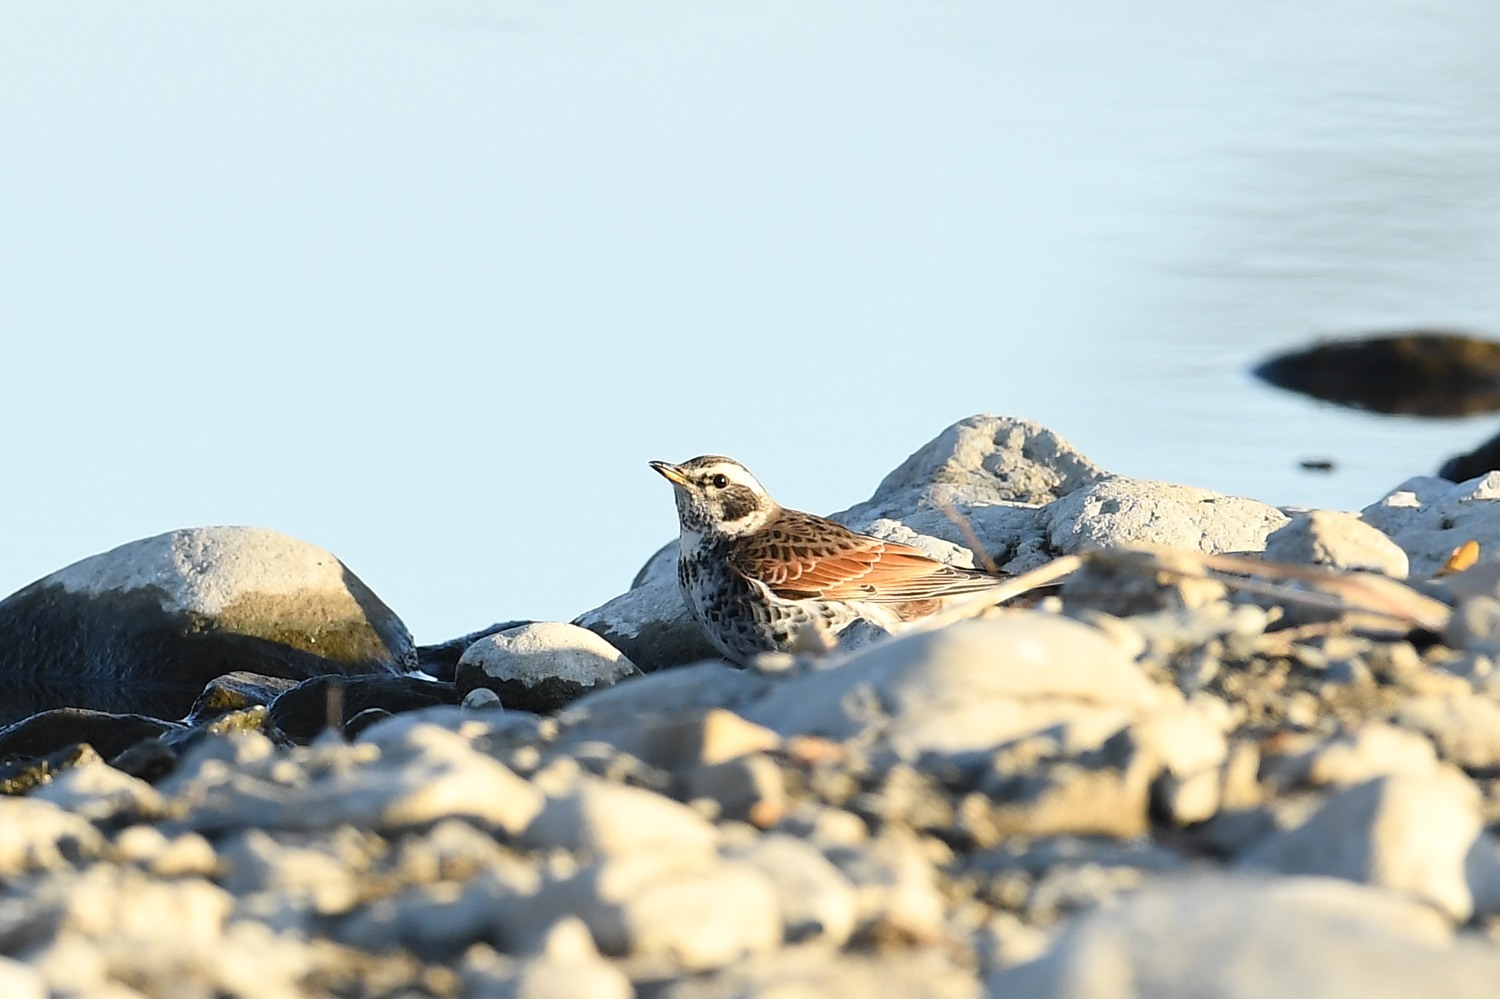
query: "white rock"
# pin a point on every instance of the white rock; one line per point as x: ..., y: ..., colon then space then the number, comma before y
x: 817, y: 902
x: 481, y: 699
x: 693, y: 738
x: 1235, y: 938
x: 751, y: 788
x: 1404, y: 833
x: 418, y: 776
x: 895, y: 884
x: 566, y: 966
x: 1464, y: 727
x: 541, y: 666
x: 692, y: 911
x: 37, y: 835
x: 180, y: 856
x: 1186, y: 750
x: 99, y: 792
x: 435, y: 921
x: 1429, y: 517
x: 307, y: 877
x: 1374, y: 750
x: 614, y: 819
x: 1475, y: 624
x: 985, y: 460
x: 809, y: 973
x: 1337, y: 541
x: 969, y: 687
x: 174, y: 937
x: 1186, y: 741
x: 1119, y: 511
x: 17, y: 981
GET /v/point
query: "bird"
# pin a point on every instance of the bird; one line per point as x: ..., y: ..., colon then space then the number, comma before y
x: 759, y: 577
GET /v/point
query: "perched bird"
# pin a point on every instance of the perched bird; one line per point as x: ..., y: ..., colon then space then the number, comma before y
x: 761, y: 578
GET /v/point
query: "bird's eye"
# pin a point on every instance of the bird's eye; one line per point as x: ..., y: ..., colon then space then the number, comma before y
x: 719, y: 481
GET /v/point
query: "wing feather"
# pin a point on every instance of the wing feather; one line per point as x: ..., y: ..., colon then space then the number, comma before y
x: 799, y: 556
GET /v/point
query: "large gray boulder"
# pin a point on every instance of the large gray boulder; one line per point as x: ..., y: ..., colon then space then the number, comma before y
x: 146, y: 625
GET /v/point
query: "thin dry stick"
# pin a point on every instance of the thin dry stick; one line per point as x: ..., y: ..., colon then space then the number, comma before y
x: 972, y: 604
x: 1336, y: 591
x: 967, y: 530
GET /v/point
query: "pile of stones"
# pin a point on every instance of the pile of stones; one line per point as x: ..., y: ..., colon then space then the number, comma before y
x: 230, y: 772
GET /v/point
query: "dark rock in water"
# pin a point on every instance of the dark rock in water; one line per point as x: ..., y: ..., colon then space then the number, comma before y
x: 363, y: 720
x: 235, y: 692
x: 146, y: 625
x: 442, y: 659
x: 51, y: 731
x: 23, y: 696
x: 1418, y: 373
x: 1483, y: 459
x: 25, y: 774
x: 305, y: 710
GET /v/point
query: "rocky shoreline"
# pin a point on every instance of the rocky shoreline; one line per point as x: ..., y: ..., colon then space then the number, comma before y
x: 1241, y: 751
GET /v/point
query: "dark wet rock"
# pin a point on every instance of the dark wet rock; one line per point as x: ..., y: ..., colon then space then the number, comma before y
x: 308, y: 708
x: 29, y: 772
x: 132, y: 628
x: 1472, y: 464
x: 150, y: 760
x: 50, y: 731
x: 360, y: 722
x: 441, y: 660
x: 235, y: 692
x: 542, y: 667
x: 1418, y: 373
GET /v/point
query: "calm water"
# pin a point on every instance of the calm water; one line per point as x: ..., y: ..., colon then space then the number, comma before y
x: 428, y: 283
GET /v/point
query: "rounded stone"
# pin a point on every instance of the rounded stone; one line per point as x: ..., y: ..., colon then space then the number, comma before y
x: 1121, y: 511
x: 1409, y: 834
x: 602, y: 818
x: 969, y: 687
x: 1337, y: 541
x: 1241, y: 938
x: 541, y: 667
x: 145, y: 625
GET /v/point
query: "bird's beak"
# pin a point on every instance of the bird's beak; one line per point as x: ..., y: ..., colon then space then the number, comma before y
x: 670, y: 472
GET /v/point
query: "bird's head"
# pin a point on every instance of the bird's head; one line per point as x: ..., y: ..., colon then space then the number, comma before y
x: 717, y: 497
